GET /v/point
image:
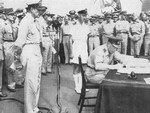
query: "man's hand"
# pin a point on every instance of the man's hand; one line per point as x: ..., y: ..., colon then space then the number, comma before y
x: 116, y: 66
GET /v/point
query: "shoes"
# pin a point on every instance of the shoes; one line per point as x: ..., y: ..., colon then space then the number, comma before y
x: 19, y: 86
x: 49, y: 71
x: 3, y: 95
x: 11, y: 89
x: 78, y: 91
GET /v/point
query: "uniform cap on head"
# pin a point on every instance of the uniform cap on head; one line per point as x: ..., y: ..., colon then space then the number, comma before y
x: 72, y: 12
x: 115, y: 16
x: 33, y: 3
x: 84, y: 11
x: 108, y: 15
x: 101, y: 17
x: 95, y: 16
x: 115, y: 41
x: 148, y: 13
x: 123, y: 13
x: 42, y: 8
x: 1, y: 10
x: 19, y: 11
x: 49, y: 14
x: 9, y: 11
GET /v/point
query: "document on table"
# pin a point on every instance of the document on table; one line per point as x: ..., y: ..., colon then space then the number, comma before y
x: 135, y: 70
x: 147, y: 80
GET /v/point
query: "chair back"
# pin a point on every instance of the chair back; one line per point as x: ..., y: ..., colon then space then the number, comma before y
x: 82, y: 72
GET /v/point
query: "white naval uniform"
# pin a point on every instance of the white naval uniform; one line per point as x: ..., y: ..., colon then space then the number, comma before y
x: 29, y: 38
x: 79, y: 34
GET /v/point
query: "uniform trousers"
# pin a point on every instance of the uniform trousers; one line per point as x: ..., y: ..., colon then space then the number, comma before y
x: 147, y: 45
x: 124, y: 42
x: 93, y: 42
x: 1, y: 74
x: 9, y: 59
x: 136, y: 46
x: 94, y: 76
x: 47, y: 55
x: 67, y: 43
x: 31, y: 59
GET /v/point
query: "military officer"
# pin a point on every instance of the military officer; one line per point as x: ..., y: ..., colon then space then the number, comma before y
x: 122, y: 28
x: 29, y: 39
x: 79, y: 35
x: 47, y: 53
x: 101, y: 60
x: 115, y: 16
x: 93, y: 37
x: 147, y: 36
x: 107, y: 28
x: 72, y: 16
x: 46, y: 42
x: 137, y: 28
x: 66, y: 39
x: 9, y: 36
x: 1, y: 51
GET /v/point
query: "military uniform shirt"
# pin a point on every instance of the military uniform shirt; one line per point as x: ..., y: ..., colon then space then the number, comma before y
x: 28, y: 33
x: 137, y: 27
x: 108, y: 28
x: 94, y: 29
x: 122, y: 26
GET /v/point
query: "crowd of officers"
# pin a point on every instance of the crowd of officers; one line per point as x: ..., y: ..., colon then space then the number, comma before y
x: 79, y: 34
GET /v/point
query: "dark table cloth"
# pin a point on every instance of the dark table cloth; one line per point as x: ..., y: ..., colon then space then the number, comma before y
x: 119, y: 94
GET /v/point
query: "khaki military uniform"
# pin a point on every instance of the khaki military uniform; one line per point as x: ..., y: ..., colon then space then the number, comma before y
x: 94, y: 40
x: 67, y: 41
x: 147, y: 39
x: 137, y: 32
x: 122, y: 30
x: 47, y: 44
x: 107, y: 30
x: 8, y: 38
x: 99, y: 63
x: 29, y: 38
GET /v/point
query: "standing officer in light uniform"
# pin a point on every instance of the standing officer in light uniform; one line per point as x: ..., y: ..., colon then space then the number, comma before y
x: 72, y: 17
x: 66, y: 39
x: 9, y: 36
x: 122, y: 28
x: 79, y: 34
x: 137, y: 33
x: 107, y: 28
x: 29, y: 39
x: 46, y: 42
x: 48, y: 39
x: 1, y: 51
x: 147, y: 36
x: 93, y: 37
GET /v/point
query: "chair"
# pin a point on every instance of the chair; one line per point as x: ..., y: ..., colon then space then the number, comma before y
x: 85, y: 85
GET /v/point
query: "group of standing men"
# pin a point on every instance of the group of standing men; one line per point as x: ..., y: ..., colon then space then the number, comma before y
x: 24, y: 38
x: 81, y: 35
x: 27, y: 40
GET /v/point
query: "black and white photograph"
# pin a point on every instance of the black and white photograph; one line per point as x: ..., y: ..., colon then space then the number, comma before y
x: 74, y: 56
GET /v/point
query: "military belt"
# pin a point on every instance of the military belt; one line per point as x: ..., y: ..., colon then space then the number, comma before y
x: 66, y: 35
x: 94, y: 36
x: 8, y: 40
x: 45, y: 35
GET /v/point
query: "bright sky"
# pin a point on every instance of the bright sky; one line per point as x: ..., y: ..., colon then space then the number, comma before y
x: 62, y: 7
x: 54, y: 6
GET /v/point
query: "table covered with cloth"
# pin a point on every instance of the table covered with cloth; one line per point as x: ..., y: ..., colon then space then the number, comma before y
x: 119, y: 94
